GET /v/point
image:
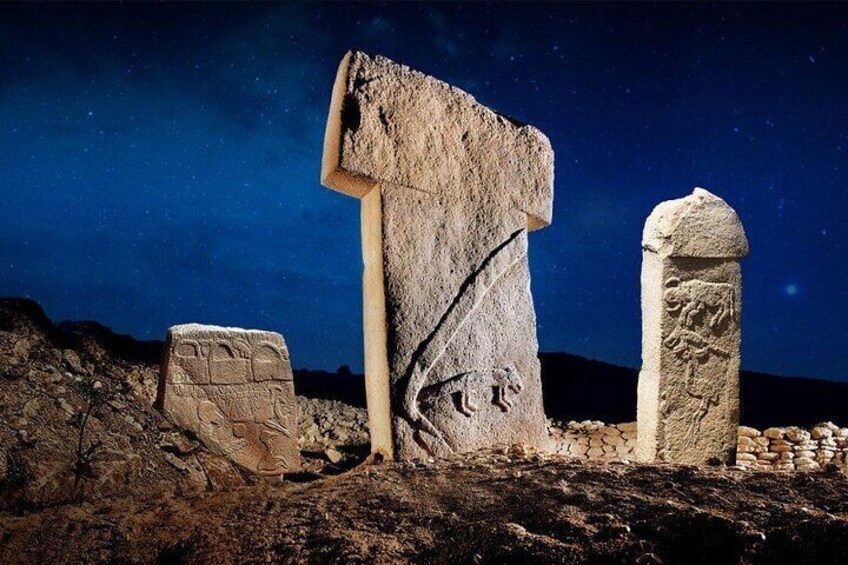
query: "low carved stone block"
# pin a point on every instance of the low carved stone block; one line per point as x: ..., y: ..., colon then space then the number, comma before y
x: 450, y: 190
x: 234, y: 390
x: 688, y: 397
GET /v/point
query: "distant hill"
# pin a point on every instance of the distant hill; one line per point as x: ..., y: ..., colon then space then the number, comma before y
x: 575, y: 388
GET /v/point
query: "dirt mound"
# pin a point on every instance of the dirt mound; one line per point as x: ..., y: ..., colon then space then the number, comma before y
x: 51, y: 376
x: 490, y: 507
x: 149, y: 493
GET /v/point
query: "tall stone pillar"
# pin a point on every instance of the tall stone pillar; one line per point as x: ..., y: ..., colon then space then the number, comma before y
x: 688, y: 399
x: 449, y: 191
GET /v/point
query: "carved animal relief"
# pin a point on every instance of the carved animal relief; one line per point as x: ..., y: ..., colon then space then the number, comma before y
x: 703, y: 312
x: 450, y: 191
x: 688, y: 404
x: 234, y: 389
x: 472, y: 295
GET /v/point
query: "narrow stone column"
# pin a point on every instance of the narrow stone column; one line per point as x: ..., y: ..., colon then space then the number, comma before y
x: 688, y: 405
x: 449, y: 191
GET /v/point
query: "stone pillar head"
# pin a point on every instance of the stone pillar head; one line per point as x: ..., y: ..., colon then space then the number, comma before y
x: 688, y: 401
x: 449, y: 190
x: 389, y: 124
x: 699, y: 225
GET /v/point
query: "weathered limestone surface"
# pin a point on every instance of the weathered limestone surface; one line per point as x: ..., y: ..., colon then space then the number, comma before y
x: 449, y: 191
x: 234, y: 389
x: 688, y: 398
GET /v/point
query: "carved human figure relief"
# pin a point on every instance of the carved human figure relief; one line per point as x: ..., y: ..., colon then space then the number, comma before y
x: 450, y: 191
x: 688, y: 402
x: 234, y: 389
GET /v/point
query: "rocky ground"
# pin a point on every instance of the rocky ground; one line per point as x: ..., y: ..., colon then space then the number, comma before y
x: 50, y: 376
x: 146, y: 492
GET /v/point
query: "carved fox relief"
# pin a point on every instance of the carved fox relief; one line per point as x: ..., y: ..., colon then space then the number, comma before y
x: 473, y: 292
x: 468, y: 389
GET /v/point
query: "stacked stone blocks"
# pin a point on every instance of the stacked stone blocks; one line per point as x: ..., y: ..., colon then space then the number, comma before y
x: 773, y: 449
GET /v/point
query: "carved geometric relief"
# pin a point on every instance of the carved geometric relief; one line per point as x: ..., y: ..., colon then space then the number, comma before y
x: 234, y: 389
x: 266, y: 359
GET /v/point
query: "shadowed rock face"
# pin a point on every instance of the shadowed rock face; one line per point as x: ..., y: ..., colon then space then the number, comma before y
x: 233, y: 388
x: 449, y: 191
x: 688, y: 403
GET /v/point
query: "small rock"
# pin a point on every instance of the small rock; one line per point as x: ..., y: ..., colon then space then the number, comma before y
x: 797, y: 434
x: 821, y: 432
x: 829, y: 425
x: 613, y: 440
x: 64, y: 405
x: 21, y: 348
x: 333, y: 456
x: 774, y: 433
x: 761, y: 441
x: 176, y: 462
x: 744, y: 442
x: 31, y: 408
x: 745, y: 431
x: 164, y: 425
x: 117, y: 405
x: 595, y: 452
x: 177, y: 443
x: 72, y: 360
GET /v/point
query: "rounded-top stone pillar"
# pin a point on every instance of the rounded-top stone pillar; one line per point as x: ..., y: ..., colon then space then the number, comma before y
x: 688, y: 398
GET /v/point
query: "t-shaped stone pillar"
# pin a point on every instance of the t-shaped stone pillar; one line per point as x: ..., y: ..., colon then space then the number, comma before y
x: 688, y: 405
x: 449, y: 190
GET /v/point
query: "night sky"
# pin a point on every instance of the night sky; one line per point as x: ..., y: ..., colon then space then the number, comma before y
x: 160, y: 164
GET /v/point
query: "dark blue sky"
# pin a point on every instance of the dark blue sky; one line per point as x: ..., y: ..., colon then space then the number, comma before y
x: 159, y: 164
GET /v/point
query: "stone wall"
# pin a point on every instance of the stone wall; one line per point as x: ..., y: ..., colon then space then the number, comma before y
x: 595, y: 440
x: 780, y: 449
x: 792, y: 448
